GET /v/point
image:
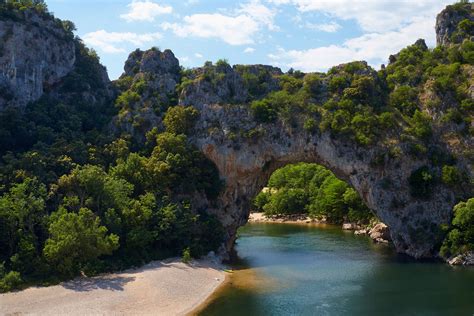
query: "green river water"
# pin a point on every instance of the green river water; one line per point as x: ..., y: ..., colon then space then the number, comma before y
x: 284, y: 269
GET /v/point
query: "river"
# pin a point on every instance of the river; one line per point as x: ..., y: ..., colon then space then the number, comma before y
x: 285, y: 269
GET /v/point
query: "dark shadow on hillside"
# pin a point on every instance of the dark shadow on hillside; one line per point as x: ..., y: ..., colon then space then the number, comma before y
x: 104, y: 283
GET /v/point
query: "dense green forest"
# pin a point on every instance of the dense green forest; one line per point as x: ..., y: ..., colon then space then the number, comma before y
x: 76, y: 195
x: 312, y: 189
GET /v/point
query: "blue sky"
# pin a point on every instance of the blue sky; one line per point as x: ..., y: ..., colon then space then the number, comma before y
x: 309, y: 35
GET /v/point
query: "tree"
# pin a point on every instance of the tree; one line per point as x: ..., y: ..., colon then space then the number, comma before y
x: 286, y: 201
x: 460, y: 238
x: 135, y: 170
x: 329, y: 201
x: 22, y: 219
x: 179, y: 119
x: 76, y: 239
x: 404, y: 98
x: 420, y: 125
x: 93, y: 188
x: 450, y: 175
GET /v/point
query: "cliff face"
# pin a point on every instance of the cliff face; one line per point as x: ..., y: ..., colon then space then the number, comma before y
x: 154, y: 75
x: 214, y: 84
x: 448, y: 20
x: 246, y: 162
x: 35, y: 54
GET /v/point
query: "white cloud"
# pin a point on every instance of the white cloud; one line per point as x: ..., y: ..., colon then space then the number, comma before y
x: 249, y: 50
x: 372, y: 47
x: 372, y: 15
x: 236, y: 28
x: 278, y: 2
x: 109, y: 42
x: 260, y: 13
x: 145, y: 11
x: 198, y: 55
x: 389, y: 26
x: 331, y: 27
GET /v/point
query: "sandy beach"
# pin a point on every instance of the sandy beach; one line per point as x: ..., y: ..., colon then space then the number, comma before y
x: 167, y: 287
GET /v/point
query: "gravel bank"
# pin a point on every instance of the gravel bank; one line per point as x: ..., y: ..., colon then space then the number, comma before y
x: 167, y: 287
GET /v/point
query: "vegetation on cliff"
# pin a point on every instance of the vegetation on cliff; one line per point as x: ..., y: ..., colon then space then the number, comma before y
x: 460, y: 238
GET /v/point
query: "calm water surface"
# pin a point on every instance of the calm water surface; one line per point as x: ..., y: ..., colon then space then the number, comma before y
x: 285, y: 269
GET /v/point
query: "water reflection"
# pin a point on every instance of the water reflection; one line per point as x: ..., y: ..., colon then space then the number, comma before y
x: 302, y: 270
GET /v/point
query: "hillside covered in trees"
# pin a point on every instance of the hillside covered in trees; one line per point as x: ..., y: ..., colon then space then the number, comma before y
x: 98, y: 175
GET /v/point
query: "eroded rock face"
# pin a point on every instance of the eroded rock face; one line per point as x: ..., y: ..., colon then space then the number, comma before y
x: 155, y: 75
x: 213, y: 84
x: 447, y: 22
x: 246, y: 164
x: 35, y: 54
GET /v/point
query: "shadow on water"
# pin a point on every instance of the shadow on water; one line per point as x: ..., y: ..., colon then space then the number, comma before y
x: 104, y: 283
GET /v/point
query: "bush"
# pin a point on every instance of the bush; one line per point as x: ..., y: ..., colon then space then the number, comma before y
x: 180, y: 120
x: 186, y: 258
x: 311, y: 125
x: 460, y: 238
x: 263, y: 111
x: 451, y: 176
x: 10, y: 281
x: 404, y: 98
x: 420, y: 125
x: 312, y: 84
x: 261, y: 200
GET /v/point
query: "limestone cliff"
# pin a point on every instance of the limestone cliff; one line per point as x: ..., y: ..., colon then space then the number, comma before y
x: 153, y: 75
x: 247, y: 163
x: 447, y: 23
x: 35, y: 54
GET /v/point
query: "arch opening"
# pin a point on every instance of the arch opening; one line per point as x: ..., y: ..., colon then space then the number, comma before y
x: 305, y: 190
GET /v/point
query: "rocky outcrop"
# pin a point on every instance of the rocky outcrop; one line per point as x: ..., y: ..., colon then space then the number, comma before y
x: 213, y: 84
x: 154, y: 75
x: 35, y: 54
x: 448, y: 20
x: 160, y: 70
x: 465, y: 259
x: 380, y: 233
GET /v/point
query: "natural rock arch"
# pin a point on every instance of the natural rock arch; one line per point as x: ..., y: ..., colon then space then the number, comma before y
x: 246, y: 164
x: 246, y: 159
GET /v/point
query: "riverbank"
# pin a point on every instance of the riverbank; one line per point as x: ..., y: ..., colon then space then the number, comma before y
x: 259, y: 217
x: 167, y: 287
x: 377, y: 231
